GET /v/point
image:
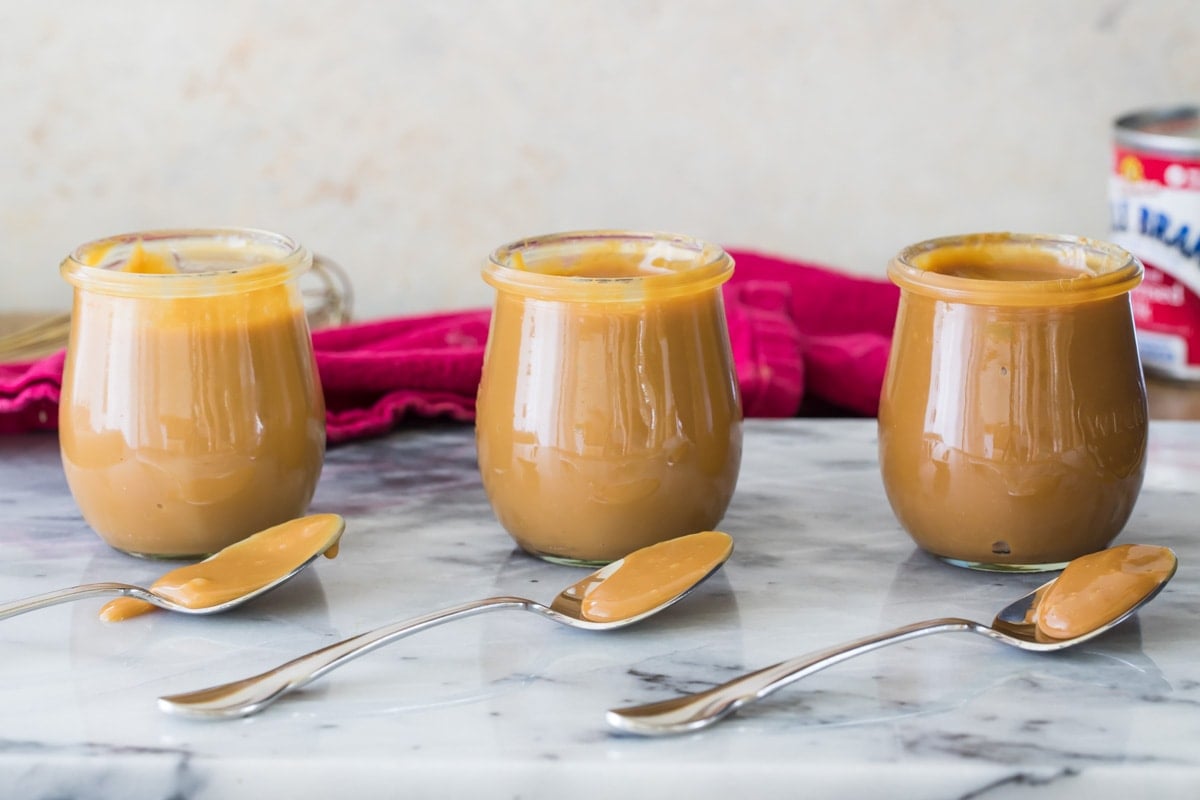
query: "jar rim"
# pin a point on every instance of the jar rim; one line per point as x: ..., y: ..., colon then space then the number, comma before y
x: 293, y: 259
x: 1121, y: 272
x: 710, y: 267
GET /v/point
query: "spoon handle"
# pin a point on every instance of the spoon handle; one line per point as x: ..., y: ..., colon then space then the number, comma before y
x: 250, y: 695
x: 695, y: 711
x: 67, y: 595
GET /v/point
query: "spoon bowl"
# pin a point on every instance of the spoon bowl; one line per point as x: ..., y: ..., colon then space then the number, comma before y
x: 1016, y: 625
x: 674, y: 568
x: 175, y: 590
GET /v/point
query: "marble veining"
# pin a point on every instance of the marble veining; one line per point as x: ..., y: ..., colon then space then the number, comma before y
x: 509, y: 705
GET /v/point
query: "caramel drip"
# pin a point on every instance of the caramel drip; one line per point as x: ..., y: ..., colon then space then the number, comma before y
x: 146, y: 262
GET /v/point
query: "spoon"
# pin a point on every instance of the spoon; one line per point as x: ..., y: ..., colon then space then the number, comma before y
x: 1113, y: 597
x: 622, y: 593
x: 239, y: 573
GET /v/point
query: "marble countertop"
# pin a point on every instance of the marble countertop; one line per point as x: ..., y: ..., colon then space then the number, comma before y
x: 510, y: 705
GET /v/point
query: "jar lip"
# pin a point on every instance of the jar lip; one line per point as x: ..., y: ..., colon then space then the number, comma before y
x: 710, y: 266
x: 293, y: 259
x: 1122, y: 272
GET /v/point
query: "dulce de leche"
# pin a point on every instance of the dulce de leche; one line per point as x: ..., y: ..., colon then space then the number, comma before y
x: 1098, y: 588
x: 191, y: 412
x: 608, y: 412
x: 649, y: 577
x: 240, y: 569
x: 1012, y: 423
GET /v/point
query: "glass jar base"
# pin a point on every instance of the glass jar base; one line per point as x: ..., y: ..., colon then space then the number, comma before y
x: 161, y: 556
x: 981, y: 566
x: 567, y: 561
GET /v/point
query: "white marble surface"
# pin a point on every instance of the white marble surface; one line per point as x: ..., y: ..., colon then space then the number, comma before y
x: 508, y: 705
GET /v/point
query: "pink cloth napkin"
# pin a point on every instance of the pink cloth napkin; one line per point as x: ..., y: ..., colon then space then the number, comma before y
x: 802, y: 336
x: 844, y: 324
x: 29, y: 394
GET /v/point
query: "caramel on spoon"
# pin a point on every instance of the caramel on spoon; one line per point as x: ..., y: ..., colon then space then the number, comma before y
x: 1093, y: 594
x: 643, y: 583
x: 242, y: 571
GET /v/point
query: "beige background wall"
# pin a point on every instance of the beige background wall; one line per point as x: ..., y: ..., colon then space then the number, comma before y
x: 406, y: 139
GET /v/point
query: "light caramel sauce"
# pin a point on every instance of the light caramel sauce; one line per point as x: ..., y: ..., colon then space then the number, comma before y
x: 988, y: 262
x: 1005, y: 437
x: 633, y: 438
x: 647, y: 578
x: 188, y: 423
x: 241, y: 568
x: 1097, y: 588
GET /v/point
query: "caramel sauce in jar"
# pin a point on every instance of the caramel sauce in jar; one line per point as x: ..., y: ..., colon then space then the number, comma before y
x: 608, y: 414
x: 1012, y: 422
x: 191, y: 412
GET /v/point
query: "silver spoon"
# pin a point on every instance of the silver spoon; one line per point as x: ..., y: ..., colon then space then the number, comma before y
x: 250, y: 695
x: 1014, y: 626
x: 129, y: 590
x: 331, y: 527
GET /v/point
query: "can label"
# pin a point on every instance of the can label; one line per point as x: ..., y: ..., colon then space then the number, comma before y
x: 1156, y: 217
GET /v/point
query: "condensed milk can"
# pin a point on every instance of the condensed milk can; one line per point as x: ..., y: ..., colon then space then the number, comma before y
x: 1155, y: 196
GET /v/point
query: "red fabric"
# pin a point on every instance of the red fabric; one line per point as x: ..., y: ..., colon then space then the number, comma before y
x: 844, y: 324
x: 29, y: 394
x: 797, y: 331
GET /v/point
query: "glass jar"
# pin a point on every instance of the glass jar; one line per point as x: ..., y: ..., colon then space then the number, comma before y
x: 1012, y: 423
x: 191, y: 412
x: 608, y: 414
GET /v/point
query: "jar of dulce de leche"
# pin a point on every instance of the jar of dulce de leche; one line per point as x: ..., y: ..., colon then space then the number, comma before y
x: 1013, y: 422
x: 191, y: 412
x: 608, y: 412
